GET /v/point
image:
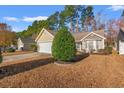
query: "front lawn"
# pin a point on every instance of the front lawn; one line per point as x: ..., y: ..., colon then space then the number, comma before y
x: 93, y: 71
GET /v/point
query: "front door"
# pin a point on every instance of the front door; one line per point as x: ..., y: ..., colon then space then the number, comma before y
x: 90, y: 46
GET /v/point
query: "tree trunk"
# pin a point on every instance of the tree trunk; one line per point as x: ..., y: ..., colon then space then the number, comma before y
x: 86, y: 27
x: 77, y: 24
x: 86, y: 24
x: 71, y: 25
x: 94, y: 25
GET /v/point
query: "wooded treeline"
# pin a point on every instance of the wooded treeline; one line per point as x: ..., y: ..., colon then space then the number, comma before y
x: 75, y: 17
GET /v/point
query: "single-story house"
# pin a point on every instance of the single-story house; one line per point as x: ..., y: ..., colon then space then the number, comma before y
x: 25, y: 43
x: 85, y: 41
x: 120, y: 41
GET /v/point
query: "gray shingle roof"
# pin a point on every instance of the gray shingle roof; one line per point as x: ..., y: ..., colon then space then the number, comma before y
x: 79, y: 35
x: 27, y: 40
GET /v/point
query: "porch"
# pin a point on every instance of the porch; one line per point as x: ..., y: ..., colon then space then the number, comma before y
x: 89, y: 46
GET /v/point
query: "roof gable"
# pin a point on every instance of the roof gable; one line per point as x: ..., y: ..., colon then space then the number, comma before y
x: 92, y: 35
x: 45, y: 35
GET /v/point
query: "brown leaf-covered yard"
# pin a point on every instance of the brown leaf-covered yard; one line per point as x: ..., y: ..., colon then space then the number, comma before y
x: 93, y: 71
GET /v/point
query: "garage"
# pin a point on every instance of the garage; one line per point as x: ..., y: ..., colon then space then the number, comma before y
x: 120, y: 42
x: 44, y: 41
x: 45, y: 47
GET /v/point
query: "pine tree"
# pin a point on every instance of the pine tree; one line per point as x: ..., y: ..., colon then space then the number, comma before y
x: 87, y: 16
x: 53, y: 21
x: 69, y: 13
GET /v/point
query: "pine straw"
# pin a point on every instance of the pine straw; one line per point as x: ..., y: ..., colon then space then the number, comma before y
x: 93, y: 71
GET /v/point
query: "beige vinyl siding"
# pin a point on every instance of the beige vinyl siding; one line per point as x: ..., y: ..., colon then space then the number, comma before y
x: 46, y: 37
x: 20, y: 44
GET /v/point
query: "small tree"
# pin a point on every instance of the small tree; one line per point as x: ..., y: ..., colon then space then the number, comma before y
x: 63, y: 47
x: 34, y: 47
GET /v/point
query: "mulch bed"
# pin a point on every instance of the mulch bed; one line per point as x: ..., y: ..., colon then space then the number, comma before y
x: 75, y: 59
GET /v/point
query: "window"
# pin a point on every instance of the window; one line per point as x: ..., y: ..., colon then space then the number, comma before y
x: 91, y: 45
x: 98, y: 44
x: 77, y: 45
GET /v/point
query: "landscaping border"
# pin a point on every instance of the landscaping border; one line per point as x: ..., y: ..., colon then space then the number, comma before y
x: 75, y: 59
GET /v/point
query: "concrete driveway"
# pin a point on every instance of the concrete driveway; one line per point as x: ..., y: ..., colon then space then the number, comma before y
x: 19, y: 57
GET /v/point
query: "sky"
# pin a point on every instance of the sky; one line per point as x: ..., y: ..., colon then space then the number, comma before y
x: 20, y: 17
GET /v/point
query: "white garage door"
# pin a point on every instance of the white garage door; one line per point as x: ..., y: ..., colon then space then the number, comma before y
x: 121, y: 45
x: 45, y: 47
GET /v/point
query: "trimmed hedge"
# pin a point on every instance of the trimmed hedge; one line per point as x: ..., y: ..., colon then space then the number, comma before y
x: 63, y: 46
x: 108, y: 50
x: 10, y: 50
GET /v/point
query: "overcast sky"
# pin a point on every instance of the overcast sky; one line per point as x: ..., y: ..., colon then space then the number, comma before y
x: 20, y: 17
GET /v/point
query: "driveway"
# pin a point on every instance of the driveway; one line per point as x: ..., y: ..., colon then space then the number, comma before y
x: 19, y: 57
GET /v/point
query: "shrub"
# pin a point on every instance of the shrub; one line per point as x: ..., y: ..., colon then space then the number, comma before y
x: 101, y: 50
x: 114, y: 52
x: 1, y: 57
x: 34, y: 47
x: 108, y: 50
x: 10, y: 50
x: 63, y: 46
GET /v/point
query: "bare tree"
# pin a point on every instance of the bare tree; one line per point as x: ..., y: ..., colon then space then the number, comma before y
x: 112, y: 32
x: 7, y: 37
x: 99, y: 23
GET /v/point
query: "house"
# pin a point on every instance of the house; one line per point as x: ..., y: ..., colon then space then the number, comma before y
x: 85, y: 41
x: 120, y: 41
x: 25, y: 43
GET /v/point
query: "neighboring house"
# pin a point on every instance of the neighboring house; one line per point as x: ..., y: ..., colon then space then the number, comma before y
x: 25, y: 43
x: 85, y: 41
x: 120, y: 42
